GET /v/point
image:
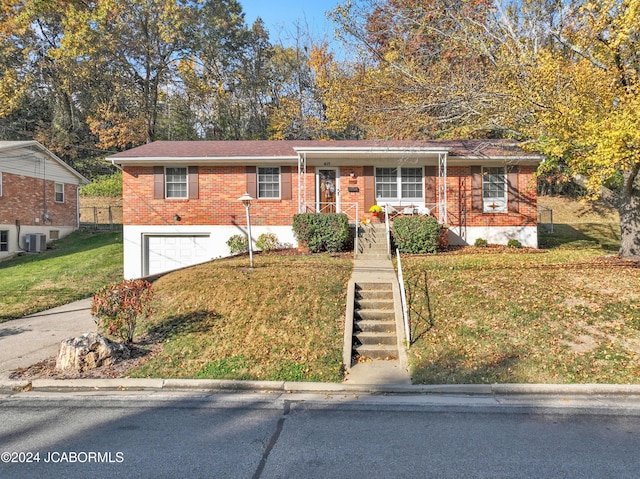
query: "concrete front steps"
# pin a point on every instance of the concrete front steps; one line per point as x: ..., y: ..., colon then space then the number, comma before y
x: 374, y: 322
x: 373, y: 352
x: 372, y: 242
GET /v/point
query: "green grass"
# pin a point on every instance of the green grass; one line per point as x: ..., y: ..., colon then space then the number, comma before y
x: 569, y: 313
x: 283, y: 320
x: 565, y: 316
x: 74, y: 268
x: 579, y: 224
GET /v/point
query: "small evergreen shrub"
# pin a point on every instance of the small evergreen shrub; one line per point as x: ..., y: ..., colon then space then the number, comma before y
x: 322, y: 231
x: 268, y: 242
x: 514, y: 243
x: 116, y: 307
x: 238, y: 244
x: 416, y: 234
x: 481, y: 243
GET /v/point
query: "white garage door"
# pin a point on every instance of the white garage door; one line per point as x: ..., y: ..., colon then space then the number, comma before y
x: 166, y: 253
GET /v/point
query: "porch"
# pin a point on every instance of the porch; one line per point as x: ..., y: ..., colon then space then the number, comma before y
x: 403, y: 181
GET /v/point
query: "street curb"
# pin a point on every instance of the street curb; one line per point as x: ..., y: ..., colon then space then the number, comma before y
x: 213, y: 385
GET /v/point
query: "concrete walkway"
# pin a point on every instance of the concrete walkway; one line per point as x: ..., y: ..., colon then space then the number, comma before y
x: 377, y: 372
x: 29, y: 340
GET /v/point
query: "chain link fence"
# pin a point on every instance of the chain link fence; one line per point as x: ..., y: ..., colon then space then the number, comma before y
x: 101, y: 218
x: 545, y: 219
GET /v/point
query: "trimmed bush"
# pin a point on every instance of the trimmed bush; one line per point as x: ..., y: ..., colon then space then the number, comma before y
x: 268, y: 242
x: 238, y: 244
x: 514, y: 243
x: 117, y: 307
x: 416, y: 234
x: 481, y: 243
x: 322, y: 231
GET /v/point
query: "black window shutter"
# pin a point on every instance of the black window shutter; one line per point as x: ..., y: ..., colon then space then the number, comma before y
x: 193, y: 183
x: 252, y: 181
x: 158, y: 182
x: 476, y: 188
x: 285, y: 182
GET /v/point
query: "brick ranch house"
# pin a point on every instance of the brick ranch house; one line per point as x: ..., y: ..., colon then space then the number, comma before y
x: 180, y: 198
x: 38, y: 197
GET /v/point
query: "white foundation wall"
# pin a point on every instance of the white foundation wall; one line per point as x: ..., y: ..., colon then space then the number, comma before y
x: 527, y: 235
x: 17, y: 235
x: 133, y: 241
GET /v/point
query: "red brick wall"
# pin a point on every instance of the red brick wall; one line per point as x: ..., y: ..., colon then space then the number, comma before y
x: 23, y: 199
x: 217, y: 202
x: 459, y: 200
x: 220, y: 186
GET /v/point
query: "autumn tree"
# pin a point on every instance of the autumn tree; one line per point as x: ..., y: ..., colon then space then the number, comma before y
x: 571, y: 84
x: 563, y: 76
x: 421, y: 76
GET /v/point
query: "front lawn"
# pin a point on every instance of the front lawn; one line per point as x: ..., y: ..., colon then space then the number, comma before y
x: 73, y: 268
x: 505, y: 316
x: 282, y: 320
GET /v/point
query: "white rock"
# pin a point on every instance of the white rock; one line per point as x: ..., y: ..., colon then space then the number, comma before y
x: 91, y: 350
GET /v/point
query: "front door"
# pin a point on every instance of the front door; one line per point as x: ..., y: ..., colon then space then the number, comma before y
x: 327, y: 190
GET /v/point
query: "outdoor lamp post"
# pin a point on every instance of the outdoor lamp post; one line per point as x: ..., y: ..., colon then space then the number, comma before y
x: 246, y: 201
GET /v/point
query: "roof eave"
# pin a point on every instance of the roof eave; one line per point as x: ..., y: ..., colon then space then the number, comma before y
x: 198, y: 160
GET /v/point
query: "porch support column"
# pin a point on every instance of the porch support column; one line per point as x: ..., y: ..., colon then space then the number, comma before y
x: 302, y: 184
x: 442, y: 187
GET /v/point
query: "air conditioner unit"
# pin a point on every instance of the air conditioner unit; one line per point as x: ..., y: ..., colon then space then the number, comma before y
x: 35, y: 243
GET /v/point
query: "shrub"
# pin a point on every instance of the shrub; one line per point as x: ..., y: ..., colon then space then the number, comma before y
x: 238, y: 244
x: 116, y: 307
x: 481, y: 243
x: 322, y: 231
x: 416, y: 234
x: 268, y: 242
x: 104, y: 185
x: 514, y: 243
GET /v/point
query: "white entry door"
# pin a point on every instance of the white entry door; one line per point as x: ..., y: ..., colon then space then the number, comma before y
x: 166, y: 253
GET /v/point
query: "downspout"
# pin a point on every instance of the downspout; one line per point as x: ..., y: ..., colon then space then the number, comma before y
x: 78, y: 206
x: 44, y: 190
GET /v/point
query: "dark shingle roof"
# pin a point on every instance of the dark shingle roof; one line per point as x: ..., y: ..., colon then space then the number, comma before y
x: 287, y: 148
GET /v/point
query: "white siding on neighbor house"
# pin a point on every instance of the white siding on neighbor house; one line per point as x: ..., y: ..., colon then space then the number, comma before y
x: 527, y: 235
x: 35, y: 164
x: 175, y: 247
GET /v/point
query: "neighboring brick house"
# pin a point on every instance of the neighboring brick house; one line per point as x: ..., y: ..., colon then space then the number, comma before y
x: 38, y: 197
x: 180, y: 199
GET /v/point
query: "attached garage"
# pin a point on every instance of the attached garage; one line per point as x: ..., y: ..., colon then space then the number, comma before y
x: 168, y: 252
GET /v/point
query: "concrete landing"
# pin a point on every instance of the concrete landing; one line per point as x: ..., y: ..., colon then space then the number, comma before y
x: 378, y: 372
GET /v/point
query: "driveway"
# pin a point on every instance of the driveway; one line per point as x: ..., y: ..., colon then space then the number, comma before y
x: 34, y: 338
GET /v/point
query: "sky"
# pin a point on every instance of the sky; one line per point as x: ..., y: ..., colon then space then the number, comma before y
x: 280, y: 17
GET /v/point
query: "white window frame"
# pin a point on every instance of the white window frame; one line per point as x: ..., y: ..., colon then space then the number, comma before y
x: 494, y: 200
x: 262, y: 182
x: 4, y: 245
x: 173, y: 195
x: 0, y: 183
x: 58, y: 186
x: 399, y: 198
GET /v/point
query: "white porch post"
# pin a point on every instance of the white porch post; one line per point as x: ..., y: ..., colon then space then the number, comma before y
x: 302, y: 184
x: 442, y: 187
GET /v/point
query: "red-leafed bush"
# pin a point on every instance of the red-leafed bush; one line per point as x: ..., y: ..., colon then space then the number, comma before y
x: 117, y: 307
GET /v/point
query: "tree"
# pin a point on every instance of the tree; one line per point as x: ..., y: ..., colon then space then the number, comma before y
x: 574, y: 90
x: 563, y: 76
x: 421, y: 77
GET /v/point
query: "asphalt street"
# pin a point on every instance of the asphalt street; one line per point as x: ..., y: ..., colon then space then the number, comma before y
x: 280, y: 436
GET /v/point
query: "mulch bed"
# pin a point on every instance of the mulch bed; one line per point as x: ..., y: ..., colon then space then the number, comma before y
x: 141, y: 352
